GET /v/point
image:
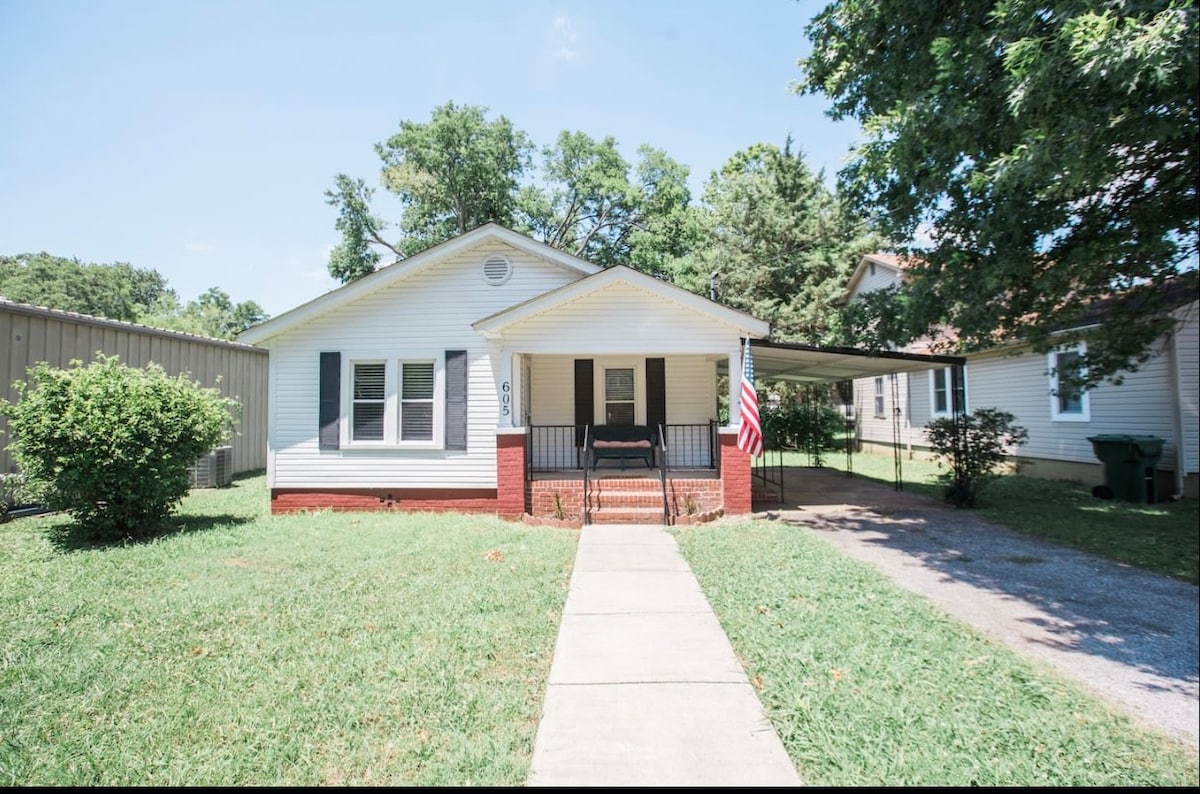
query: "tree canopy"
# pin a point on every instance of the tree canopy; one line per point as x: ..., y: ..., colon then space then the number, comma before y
x: 1041, y: 155
x: 459, y: 171
x: 119, y: 291
x: 777, y: 242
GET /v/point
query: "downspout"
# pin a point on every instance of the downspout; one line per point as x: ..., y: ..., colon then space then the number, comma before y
x: 1177, y: 399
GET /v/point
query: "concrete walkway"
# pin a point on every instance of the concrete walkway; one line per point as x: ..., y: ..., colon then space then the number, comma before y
x: 644, y: 688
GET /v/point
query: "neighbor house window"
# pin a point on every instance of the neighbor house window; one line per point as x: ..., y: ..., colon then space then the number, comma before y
x: 618, y: 396
x: 879, y: 397
x: 941, y: 381
x: 1068, y: 401
x: 416, y: 400
x: 370, y: 401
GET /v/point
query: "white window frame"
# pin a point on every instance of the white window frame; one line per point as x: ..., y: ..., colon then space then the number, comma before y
x: 1084, y: 414
x: 391, y: 413
x: 354, y: 402
x: 949, y: 374
x: 880, y: 402
x: 431, y: 400
x: 600, y: 366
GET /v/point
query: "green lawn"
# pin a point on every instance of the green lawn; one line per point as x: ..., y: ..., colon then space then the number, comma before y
x: 1161, y: 537
x: 412, y: 650
x: 250, y: 650
x: 870, y: 685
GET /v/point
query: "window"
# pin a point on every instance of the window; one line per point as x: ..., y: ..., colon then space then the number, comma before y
x: 618, y: 396
x: 1068, y: 402
x: 403, y: 402
x: 416, y: 401
x: 370, y: 402
x: 940, y: 382
x: 879, y: 398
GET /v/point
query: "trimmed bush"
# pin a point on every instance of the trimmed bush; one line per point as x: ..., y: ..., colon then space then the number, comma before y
x: 971, y: 450
x: 112, y: 444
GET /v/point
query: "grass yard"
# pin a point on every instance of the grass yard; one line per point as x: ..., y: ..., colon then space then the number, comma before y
x: 870, y: 685
x: 1161, y: 537
x: 250, y: 650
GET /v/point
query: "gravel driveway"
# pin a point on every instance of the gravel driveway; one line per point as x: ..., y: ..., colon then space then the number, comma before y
x: 1129, y: 635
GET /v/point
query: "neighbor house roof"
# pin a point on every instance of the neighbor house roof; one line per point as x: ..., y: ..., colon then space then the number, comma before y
x: 398, y: 270
x: 894, y: 261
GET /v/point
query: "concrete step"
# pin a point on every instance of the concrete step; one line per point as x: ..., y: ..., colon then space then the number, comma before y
x: 626, y: 515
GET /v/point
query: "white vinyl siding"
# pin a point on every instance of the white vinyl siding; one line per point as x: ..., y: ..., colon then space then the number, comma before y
x: 1142, y: 405
x: 620, y: 319
x: 397, y: 324
x: 883, y: 276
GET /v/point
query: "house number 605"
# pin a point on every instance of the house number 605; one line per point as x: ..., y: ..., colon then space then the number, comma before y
x: 505, y: 398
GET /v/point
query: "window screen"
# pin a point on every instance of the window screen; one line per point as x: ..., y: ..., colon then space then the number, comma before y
x: 416, y: 401
x: 369, y: 402
x: 618, y: 396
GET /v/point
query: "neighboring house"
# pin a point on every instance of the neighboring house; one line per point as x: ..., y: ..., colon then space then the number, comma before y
x: 463, y: 378
x: 1159, y: 399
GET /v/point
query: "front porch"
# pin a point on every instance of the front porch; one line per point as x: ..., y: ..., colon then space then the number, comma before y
x: 698, y: 474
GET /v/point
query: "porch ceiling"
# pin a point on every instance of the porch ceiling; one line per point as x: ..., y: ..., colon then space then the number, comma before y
x: 811, y: 364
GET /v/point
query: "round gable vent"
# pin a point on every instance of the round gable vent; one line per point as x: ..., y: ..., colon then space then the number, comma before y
x: 497, y: 269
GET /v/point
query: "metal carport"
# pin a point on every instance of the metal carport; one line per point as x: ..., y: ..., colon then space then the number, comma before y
x: 799, y: 363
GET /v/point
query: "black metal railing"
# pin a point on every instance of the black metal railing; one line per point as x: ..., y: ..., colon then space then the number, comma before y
x: 662, y: 474
x: 552, y: 448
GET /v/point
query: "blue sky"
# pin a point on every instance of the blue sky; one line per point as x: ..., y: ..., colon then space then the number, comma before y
x: 198, y: 138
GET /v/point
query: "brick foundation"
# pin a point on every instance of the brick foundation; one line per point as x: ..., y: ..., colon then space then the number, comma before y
x: 465, y: 500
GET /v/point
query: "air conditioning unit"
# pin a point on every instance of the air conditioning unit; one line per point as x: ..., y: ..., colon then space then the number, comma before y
x: 214, y: 470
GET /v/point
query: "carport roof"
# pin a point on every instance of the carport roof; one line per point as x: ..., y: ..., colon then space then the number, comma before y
x: 817, y: 364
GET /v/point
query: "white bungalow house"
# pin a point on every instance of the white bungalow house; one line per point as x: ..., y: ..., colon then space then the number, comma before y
x: 466, y: 378
x: 1159, y: 399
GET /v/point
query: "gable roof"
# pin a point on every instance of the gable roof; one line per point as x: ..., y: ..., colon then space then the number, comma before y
x: 893, y: 261
x: 490, y: 232
x: 746, y: 324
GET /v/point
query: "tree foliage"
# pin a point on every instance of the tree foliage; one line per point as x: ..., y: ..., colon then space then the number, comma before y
x: 120, y: 291
x: 1047, y: 149
x: 778, y: 241
x: 112, y: 444
x: 459, y: 171
x: 117, y: 291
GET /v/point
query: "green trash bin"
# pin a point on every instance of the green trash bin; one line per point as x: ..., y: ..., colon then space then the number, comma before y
x: 1130, y: 465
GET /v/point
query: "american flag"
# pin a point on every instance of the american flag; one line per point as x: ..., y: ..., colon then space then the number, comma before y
x: 750, y: 438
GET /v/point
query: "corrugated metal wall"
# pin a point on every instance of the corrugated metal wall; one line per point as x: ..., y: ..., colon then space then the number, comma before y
x: 29, y: 334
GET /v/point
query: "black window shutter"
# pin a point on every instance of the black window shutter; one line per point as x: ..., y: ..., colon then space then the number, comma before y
x: 456, y: 399
x: 656, y: 392
x: 330, y: 400
x: 585, y: 397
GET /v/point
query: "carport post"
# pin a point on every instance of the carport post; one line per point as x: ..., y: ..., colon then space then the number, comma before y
x: 958, y: 412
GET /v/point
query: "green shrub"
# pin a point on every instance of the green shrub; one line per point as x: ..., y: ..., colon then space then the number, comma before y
x: 112, y: 444
x: 807, y: 422
x: 971, y: 450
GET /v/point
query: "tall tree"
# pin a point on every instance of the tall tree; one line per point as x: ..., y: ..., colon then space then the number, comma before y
x: 592, y: 204
x: 117, y: 291
x: 213, y: 314
x: 1047, y: 149
x: 459, y: 171
x: 779, y: 243
x: 451, y: 174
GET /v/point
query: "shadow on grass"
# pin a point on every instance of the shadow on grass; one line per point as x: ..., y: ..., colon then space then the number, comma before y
x: 1082, y: 603
x: 71, y: 537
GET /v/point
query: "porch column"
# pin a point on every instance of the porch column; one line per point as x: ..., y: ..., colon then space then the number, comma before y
x: 506, y: 390
x: 735, y: 474
x: 510, y: 473
x: 735, y: 388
